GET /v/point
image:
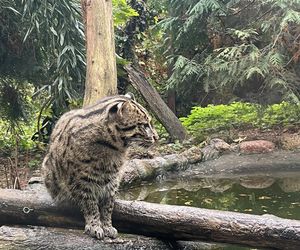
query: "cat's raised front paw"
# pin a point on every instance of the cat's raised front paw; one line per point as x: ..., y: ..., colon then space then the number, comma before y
x: 94, y: 231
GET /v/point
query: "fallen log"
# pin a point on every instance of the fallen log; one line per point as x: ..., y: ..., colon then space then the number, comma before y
x: 37, y: 237
x: 12, y: 237
x: 193, y: 160
x: 34, y: 207
x: 139, y: 170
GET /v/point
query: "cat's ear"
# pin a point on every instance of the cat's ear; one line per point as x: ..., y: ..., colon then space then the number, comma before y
x: 119, y: 109
x: 113, y: 109
x: 123, y: 108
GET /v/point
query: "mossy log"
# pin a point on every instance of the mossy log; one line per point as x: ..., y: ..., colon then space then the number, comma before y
x: 34, y: 207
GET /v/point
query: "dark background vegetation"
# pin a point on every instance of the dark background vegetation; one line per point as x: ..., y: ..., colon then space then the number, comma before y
x: 197, y: 53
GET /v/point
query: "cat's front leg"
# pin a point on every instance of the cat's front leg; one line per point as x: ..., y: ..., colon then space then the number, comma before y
x: 93, y: 224
x: 106, y: 208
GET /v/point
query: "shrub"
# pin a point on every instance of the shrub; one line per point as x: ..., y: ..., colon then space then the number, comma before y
x: 214, y: 118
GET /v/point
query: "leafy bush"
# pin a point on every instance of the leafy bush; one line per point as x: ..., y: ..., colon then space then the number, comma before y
x: 240, y: 115
x: 22, y: 134
x: 19, y: 113
x: 219, y: 47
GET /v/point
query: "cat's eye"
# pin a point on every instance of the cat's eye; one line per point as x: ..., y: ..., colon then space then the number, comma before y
x: 144, y: 125
x: 128, y: 128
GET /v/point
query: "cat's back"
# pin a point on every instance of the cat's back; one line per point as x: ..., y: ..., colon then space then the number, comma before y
x: 78, y: 118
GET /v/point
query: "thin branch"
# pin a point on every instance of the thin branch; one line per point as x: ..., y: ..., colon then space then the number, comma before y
x: 45, y: 106
x: 265, y: 13
x: 277, y: 37
x: 242, y: 9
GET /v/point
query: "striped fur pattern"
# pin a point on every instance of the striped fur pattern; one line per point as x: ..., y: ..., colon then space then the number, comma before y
x: 87, y: 149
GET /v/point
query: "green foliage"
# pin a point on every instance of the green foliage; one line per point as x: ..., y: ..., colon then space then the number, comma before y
x: 43, y: 42
x: 261, y: 54
x: 13, y: 104
x: 42, y: 52
x: 52, y: 34
x: 122, y: 12
x: 16, y: 110
x: 217, y: 47
x: 19, y: 134
x: 214, y: 118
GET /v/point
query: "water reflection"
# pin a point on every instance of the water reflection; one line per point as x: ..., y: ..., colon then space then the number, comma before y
x: 252, y: 194
x: 291, y: 184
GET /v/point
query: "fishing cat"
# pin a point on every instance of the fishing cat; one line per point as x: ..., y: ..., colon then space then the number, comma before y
x: 87, y: 149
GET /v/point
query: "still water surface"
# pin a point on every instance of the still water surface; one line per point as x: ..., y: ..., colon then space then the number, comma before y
x: 278, y: 195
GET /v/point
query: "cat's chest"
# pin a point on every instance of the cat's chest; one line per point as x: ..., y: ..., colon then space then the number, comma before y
x: 106, y: 187
x: 104, y: 181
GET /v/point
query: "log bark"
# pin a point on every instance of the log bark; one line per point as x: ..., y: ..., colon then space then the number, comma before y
x: 13, y: 237
x: 101, y: 74
x: 37, y: 237
x: 165, y: 221
x: 171, y: 100
x: 161, y: 111
x: 139, y: 170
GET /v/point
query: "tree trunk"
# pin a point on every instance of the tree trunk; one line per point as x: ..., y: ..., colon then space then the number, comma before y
x: 156, y: 104
x: 165, y: 221
x: 101, y: 75
x: 171, y: 97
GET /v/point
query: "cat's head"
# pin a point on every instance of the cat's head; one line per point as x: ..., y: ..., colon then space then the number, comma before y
x: 132, y: 122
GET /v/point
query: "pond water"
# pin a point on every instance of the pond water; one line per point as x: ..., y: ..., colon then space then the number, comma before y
x: 278, y: 195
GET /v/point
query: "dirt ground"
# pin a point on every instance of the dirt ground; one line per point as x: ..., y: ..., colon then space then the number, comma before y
x: 29, y: 163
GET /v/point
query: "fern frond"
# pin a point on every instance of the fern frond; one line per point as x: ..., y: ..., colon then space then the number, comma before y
x: 291, y: 16
x: 276, y: 59
x: 243, y: 34
x: 254, y: 71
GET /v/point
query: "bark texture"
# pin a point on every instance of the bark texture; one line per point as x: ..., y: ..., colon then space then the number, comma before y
x: 156, y: 104
x: 139, y: 170
x: 101, y: 75
x: 19, y: 238
x: 36, y: 237
x: 166, y: 221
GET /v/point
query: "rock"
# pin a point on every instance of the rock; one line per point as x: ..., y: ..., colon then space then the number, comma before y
x: 215, y: 147
x: 290, y: 141
x: 194, y: 154
x: 209, y: 153
x: 34, y: 237
x: 220, y: 144
x: 258, y: 146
